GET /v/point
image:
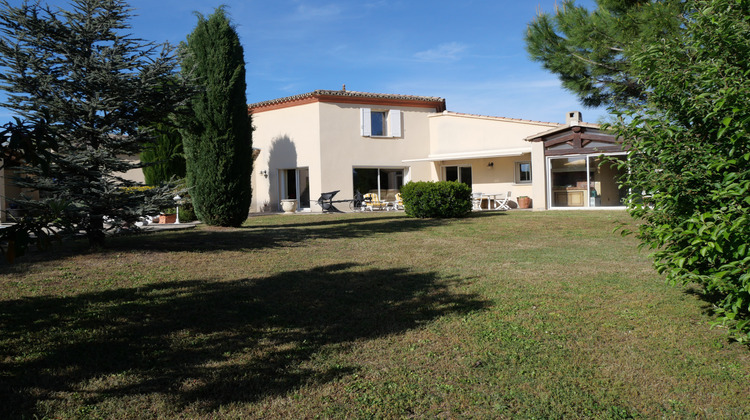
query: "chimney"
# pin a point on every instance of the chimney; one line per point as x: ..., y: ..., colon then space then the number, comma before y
x: 573, y: 118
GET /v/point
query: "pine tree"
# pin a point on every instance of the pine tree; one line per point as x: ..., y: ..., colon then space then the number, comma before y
x: 82, y: 87
x: 217, y: 134
x: 590, y: 51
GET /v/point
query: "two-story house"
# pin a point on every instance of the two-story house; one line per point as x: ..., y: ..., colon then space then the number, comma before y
x: 328, y: 140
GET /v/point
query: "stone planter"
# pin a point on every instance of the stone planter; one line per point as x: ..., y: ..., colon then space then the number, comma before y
x: 524, y: 202
x: 289, y: 206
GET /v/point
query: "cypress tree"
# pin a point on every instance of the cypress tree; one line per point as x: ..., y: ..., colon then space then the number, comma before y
x: 217, y: 129
x: 82, y: 88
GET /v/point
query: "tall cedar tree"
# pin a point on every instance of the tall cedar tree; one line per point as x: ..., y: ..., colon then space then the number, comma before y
x: 217, y: 131
x: 590, y: 51
x: 689, y: 153
x: 81, y: 87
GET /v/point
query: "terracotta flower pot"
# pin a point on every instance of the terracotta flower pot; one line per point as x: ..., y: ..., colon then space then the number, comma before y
x: 524, y: 202
x: 167, y: 218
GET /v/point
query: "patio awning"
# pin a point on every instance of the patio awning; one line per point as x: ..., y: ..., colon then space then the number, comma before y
x: 483, y: 154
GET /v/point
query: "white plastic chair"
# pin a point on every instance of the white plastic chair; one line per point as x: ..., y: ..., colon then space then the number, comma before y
x: 502, y: 203
x: 476, y: 201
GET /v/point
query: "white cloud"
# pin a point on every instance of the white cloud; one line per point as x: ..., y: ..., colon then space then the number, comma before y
x: 323, y: 12
x: 444, y: 52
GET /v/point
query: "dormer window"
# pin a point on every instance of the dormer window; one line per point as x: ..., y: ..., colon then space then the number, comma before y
x: 380, y: 123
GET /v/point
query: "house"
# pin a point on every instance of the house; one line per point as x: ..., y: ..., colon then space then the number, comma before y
x: 350, y: 141
x: 346, y: 141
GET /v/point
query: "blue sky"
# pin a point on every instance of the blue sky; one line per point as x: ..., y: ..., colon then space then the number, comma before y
x: 469, y: 52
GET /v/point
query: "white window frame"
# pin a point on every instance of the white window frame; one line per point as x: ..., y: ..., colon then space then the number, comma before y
x: 283, y: 191
x: 518, y: 172
x: 392, y: 121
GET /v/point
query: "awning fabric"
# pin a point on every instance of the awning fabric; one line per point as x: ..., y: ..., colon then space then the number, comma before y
x: 483, y: 154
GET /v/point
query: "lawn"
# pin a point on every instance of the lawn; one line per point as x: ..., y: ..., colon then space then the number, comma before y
x: 524, y: 314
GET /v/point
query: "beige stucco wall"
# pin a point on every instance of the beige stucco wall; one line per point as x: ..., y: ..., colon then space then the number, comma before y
x: 459, y: 133
x: 496, y: 179
x: 133, y: 174
x: 539, y: 176
x: 344, y: 147
x: 288, y: 138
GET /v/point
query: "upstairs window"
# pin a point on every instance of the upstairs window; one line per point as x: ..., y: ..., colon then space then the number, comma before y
x: 380, y: 123
x: 378, y: 127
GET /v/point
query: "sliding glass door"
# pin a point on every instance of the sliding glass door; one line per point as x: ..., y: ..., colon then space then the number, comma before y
x: 385, y: 182
x: 585, y: 181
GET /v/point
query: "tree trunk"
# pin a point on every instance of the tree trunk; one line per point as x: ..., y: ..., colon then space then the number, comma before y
x: 95, y: 231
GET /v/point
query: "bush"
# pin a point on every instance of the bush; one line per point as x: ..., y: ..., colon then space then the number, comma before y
x: 689, y: 152
x: 187, y: 214
x: 436, y: 199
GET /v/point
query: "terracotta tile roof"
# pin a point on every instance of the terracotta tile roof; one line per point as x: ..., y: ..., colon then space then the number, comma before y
x: 346, y: 96
x: 461, y: 114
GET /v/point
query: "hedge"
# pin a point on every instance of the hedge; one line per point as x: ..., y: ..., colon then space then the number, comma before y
x: 440, y: 199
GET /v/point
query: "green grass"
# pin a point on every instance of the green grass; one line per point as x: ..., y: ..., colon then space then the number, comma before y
x: 524, y: 314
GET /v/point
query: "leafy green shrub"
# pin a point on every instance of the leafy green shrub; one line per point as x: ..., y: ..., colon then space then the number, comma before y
x: 187, y: 214
x: 436, y: 199
x: 689, y: 153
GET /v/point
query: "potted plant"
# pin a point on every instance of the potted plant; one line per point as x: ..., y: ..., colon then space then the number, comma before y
x: 524, y: 202
x: 168, y: 216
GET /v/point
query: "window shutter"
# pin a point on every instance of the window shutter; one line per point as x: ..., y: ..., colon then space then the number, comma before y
x: 365, y: 122
x: 394, y: 122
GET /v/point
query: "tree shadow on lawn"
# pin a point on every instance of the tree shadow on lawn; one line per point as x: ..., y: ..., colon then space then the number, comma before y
x: 276, y: 235
x: 207, y: 238
x: 365, y: 217
x: 207, y: 343
x: 260, y: 236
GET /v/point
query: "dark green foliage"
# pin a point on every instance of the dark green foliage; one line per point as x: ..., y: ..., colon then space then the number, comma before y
x: 217, y: 131
x: 163, y: 156
x: 590, y: 51
x: 690, y: 155
x: 187, y: 213
x: 436, y: 199
x: 81, y: 88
